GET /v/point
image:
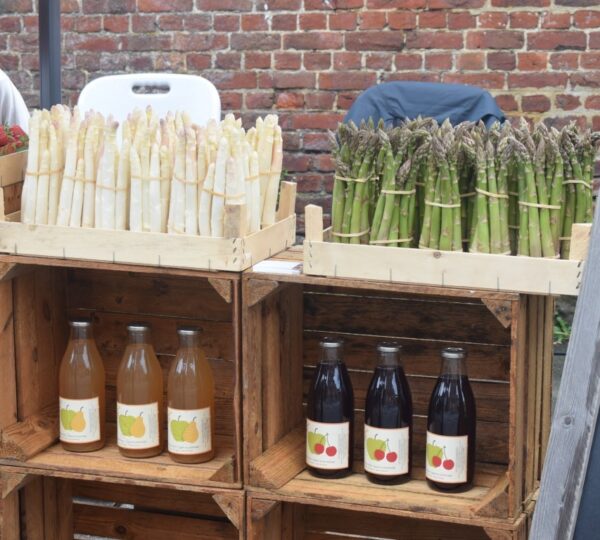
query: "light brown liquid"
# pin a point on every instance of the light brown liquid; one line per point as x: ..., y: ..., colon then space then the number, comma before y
x: 190, y: 388
x: 81, y: 376
x: 140, y: 382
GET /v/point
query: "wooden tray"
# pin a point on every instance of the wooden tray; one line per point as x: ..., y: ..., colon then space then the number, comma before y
x: 529, y: 275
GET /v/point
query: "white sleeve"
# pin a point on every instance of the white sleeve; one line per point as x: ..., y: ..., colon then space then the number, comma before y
x: 12, y: 107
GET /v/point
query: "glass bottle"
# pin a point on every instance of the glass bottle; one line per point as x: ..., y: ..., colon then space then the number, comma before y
x: 191, y: 398
x: 81, y: 389
x: 330, y: 415
x: 140, y: 414
x: 388, y: 420
x: 450, y: 452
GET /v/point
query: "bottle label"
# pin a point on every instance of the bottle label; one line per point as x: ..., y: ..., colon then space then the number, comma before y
x: 386, y: 450
x: 446, y: 458
x: 189, y: 431
x: 137, y: 426
x: 79, y: 420
x: 327, y: 445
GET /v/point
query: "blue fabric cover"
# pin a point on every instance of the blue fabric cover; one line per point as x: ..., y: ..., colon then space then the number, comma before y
x: 397, y: 101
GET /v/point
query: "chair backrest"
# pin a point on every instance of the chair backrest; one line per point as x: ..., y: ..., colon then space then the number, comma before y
x: 118, y: 95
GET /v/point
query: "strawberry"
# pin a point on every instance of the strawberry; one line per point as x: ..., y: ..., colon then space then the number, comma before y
x: 4, y: 139
x: 19, y: 135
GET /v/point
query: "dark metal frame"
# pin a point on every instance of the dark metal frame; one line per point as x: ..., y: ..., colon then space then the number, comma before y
x: 50, y: 52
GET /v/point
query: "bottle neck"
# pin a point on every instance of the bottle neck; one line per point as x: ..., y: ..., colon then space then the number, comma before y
x: 331, y: 355
x: 139, y: 337
x: 453, y: 366
x: 388, y: 359
x: 187, y: 341
x: 81, y: 333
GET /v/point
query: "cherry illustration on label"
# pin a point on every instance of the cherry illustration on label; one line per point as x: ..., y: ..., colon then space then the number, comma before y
x: 331, y: 450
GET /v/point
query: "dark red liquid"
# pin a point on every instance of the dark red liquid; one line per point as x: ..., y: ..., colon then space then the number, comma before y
x: 389, y: 406
x: 452, y: 413
x: 331, y: 400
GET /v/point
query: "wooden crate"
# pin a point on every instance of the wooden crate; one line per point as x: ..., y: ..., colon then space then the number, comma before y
x: 509, y: 340
x: 37, y: 296
x: 235, y: 253
x: 274, y: 519
x: 529, y: 275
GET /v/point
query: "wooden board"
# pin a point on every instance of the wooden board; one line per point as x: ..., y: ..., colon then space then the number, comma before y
x: 12, y: 168
x: 152, y: 249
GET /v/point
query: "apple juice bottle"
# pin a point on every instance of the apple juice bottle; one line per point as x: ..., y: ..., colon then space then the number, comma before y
x: 330, y: 415
x: 81, y: 389
x: 139, y: 397
x: 388, y: 420
x: 191, y: 396
x: 450, y: 452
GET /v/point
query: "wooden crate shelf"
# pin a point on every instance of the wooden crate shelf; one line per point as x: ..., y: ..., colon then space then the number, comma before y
x: 509, y: 340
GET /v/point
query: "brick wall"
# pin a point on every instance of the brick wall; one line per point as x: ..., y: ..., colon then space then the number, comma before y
x: 309, y: 59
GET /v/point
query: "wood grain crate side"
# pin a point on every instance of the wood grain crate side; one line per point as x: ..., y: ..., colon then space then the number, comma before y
x: 272, y: 519
x: 44, y: 298
x: 496, y: 332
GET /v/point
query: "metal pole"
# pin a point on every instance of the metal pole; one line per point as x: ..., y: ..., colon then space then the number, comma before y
x: 49, y: 36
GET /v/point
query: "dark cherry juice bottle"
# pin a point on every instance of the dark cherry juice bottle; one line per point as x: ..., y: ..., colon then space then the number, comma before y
x: 450, y: 459
x: 388, y: 420
x: 330, y: 415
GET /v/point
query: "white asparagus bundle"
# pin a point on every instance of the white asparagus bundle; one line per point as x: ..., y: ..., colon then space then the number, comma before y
x: 205, y: 208
x: 41, y: 209
x: 78, y: 188
x: 135, y: 206
x: 154, y: 189
x: 254, y: 199
x: 31, y: 174
x: 264, y: 148
x: 106, y: 183
x: 144, y: 153
x: 272, y: 191
x: 56, y: 171
x: 165, y: 185
x: 68, y: 180
x: 90, y: 215
x: 176, y: 222
x: 218, y: 191
x: 191, y: 183
x: 123, y: 181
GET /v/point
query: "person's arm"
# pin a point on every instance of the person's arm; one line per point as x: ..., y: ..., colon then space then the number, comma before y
x: 12, y: 106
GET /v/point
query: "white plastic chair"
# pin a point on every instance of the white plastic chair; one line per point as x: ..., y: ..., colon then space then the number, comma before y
x: 115, y: 95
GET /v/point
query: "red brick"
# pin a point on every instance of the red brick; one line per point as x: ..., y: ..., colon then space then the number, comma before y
x: 346, y: 60
x: 566, y: 60
x: 493, y: 19
x: 438, y: 61
x: 116, y: 23
x: 69, y: 6
x: 317, y: 60
x: 520, y: 3
x: 88, y: 24
x: 567, y: 102
x: 232, y: 80
x: 197, y: 21
x: 312, y: 21
x: 143, y: 23
x: 378, y: 61
x: 576, y: 3
x: 596, y: 123
x: 557, y: 40
x: 401, y: 20
x: 484, y: 80
x: 325, y: 162
x: 434, y: 40
x: 295, y: 162
x: 198, y: 61
x: 505, y: 61
x: 170, y: 22
x: 325, y: 120
x: 256, y: 41
x: 310, y: 182
x: 372, y: 20
x: 524, y: 19
x: 224, y: 5
x: 461, y: 20
x: 396, y: 4
x: 421, y: 76
x: 227, y: 23
x: 537, y: 103
x: 320, y: 100
x: 317, y: 141
x: 590, y: 60
x: 9, y: 62
x: 507, y: 103
x: 346, y: 80
x: 30, y: 22
x: 313, y: 40
x: 108, y: 6
x: 286, y: 60
x: 257, y: 60
x: 408, y: 61
x: 260, y: 100
x: 187, y: 42
x: 452, y: 4
x: 26, y: 42
x: 300, y: 79
x: 592, y: 102
x: 590, y: 78
x: 228, y: 60
x: 374, y: 41
x: 494, y: 39
x: 531, y: 61
x: 160, y: 5
x: 587, y: 19
x: 231, y: 101
x: 290, y: 5
x: 254, y: 21
x: 536, y: 80
x: 342, y: 21
x: 470, y: 61
x: 286, y: 21
x: 563, y: 121
x: 556, y: 20
x: 12, y: 24
x: 432, y: 19
x: 290, y: 100
x: 169, y: 61
x: 83, y: 42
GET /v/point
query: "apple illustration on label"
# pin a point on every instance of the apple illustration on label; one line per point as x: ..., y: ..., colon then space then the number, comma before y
x: 434, y: 454
x: 376, y: 448
x: 379, y: 454
x: 316, y: 442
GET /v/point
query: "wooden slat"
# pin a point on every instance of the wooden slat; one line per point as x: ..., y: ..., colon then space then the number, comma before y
x: 313, y: 224
x: 546, y: 366
x: 580, y: 241
x: 27, y: 438
x: 287, y: 200
x: 58, y: 509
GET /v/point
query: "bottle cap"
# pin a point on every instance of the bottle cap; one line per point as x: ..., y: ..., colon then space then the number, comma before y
x: 389, y: 347
x: 454, y: 353
x: 80, y: 323
x: 138, y: 327
x: 188, y: 330
x: 331, y: 343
